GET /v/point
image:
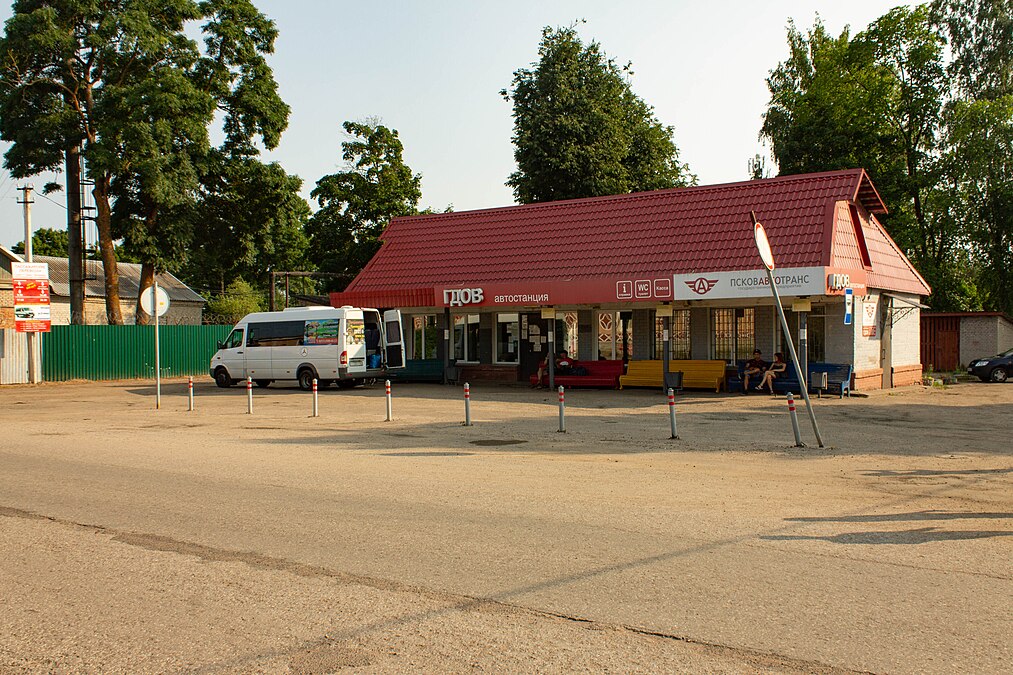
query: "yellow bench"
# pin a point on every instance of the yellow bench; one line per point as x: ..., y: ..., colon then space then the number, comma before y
x: 696, y: 373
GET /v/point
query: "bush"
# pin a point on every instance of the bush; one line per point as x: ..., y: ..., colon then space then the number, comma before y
x: 238, y: 300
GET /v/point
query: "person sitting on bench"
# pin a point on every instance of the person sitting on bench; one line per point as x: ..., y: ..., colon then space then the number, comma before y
x: 776, y: 368
x: 754, y: 366
x: 562, y: 367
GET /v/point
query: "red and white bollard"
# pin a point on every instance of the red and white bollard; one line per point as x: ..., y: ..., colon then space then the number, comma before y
x: 562, y: 411
x: 390, y: 415
x: 671, y: 412
x: 467, y: 404
x: 316, y: 405
x: 794, y: 421
x: 189, y: 393
x: 249, y: 396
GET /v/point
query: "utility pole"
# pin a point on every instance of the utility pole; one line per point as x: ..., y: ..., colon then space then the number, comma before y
x: 27, y: 201
x: 75, y: 235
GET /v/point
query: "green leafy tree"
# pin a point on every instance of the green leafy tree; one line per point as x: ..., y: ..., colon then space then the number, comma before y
x: 123, y: 82
x: 979, y: 139
x: 874, y: 101
x: 580, y: 131
x: 357, y: 204
x: 981, y: 39
x: 46, y: 241
x: 248, y: 218
x: 233, y: 303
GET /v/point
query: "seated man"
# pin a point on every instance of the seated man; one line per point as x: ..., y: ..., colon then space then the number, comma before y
x: 563, y: 364
x: 776, y: 368
x: 754, y: 366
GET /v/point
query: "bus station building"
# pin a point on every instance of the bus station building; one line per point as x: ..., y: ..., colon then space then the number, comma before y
x: 602, y: 277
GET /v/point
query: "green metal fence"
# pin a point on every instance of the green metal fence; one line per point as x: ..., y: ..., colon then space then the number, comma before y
x: 125, y: 352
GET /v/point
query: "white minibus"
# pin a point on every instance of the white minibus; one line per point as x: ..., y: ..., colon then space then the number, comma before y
x: 330, y: 344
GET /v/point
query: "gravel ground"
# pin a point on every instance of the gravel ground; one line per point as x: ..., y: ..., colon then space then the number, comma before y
x: 136, y: 540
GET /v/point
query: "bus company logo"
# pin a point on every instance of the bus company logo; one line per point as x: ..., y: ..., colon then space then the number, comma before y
x: 458, y: 297
x: 701, y: 286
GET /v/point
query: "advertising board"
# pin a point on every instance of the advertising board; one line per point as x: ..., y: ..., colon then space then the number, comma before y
x: 30, y: 283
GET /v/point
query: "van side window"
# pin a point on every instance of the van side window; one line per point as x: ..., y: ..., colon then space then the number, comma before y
x: 234, y: 340
x: 276, y: 334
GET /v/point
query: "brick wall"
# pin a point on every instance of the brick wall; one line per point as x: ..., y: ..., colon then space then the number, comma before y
x: 699, y: 332
x: 867, y: 363
x: 979, y: 337
x: 840, y: 346
x: 906, y: 335
x: 643, y: 334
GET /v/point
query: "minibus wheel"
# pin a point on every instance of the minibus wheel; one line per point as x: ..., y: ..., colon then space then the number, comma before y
x: 305, y: 378
x: 222, y: 378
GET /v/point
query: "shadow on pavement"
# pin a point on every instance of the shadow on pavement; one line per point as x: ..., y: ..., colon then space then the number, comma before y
x: 897, y: 517
x: 903, y: 537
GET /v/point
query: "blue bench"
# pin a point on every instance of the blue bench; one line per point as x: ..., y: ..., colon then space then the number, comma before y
x: 785, y: 382
x: 838, y: 376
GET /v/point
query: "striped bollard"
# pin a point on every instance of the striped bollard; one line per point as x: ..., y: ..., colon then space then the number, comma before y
x: 562, y: 411
x: 671, y: 412
x: 316, y: 404
x: 249, y: 396
x: 390, y: 415
x: 189, y: 393
x: 794, y: 421
x: 467, y: 404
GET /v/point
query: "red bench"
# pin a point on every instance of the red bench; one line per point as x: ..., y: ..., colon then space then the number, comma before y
x: 599, y: 374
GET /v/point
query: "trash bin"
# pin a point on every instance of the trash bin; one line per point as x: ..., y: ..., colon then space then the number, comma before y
x: 673, y: 381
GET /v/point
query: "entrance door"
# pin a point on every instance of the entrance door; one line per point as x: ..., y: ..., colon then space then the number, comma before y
x: 886, y: 342
x: 534, y: 343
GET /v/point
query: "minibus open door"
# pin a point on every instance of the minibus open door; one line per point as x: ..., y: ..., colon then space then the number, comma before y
x: 394, y: 338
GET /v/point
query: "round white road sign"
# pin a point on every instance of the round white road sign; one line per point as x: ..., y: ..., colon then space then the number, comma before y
x: 763, y: 246
x: 148, y: 305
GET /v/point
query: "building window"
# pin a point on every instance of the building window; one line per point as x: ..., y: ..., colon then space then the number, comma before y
x: 678, y: 335
x: 566, y: 333
x: 610, y: 335
x: 466, y: 337
x: 424, y: 337
x: 508, y: 333
x: 733, y: 333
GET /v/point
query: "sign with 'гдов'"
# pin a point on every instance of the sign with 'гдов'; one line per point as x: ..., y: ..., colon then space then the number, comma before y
x: 30, y: 283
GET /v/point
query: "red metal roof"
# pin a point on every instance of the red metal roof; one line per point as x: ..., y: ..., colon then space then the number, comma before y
x: 664, y: 232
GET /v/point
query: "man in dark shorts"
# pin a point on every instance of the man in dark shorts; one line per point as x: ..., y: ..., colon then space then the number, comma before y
x: 754, y: 366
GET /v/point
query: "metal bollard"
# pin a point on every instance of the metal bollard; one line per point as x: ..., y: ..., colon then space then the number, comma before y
x: 189, y: 393
x: 390, y: 416
x: 562, y: 412
x: 794, y: 421
x: 249, y: 396
x: 316, y: 404
x: 467, y: 404
x: 671, y: 412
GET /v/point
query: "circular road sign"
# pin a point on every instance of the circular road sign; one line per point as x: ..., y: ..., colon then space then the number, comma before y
x: 148, y: 305
x: 763, y: 246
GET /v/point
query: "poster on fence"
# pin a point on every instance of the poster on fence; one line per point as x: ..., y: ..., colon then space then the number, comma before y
x: 30, y: 283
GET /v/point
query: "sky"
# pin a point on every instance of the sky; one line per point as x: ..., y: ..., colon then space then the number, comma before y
x: 433, y: 71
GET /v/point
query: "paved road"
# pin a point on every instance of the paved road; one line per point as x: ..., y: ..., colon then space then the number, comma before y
x: 215, y: 541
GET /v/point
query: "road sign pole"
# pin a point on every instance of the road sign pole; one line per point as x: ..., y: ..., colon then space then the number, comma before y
x: 158, y: 355
x: 767, y: 256
x: 794, y: 358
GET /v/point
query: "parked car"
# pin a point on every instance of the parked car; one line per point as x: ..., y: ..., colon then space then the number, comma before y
x: 995, y: 369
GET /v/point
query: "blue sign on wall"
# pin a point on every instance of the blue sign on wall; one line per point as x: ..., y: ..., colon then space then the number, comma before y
x: 849, y: 304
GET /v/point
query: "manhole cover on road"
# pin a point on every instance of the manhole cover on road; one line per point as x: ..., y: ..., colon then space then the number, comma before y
x: 492, y: 442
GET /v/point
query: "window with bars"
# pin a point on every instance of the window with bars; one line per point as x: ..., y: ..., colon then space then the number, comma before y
x: 679, y: 335
x: 733, y: 333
